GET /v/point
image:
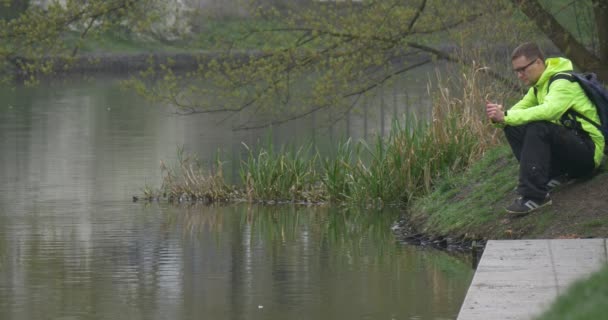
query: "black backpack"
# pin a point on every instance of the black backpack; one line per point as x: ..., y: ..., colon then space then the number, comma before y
x: 596, y: 92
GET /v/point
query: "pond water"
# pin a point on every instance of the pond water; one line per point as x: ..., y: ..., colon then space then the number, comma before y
x: 74, y: 246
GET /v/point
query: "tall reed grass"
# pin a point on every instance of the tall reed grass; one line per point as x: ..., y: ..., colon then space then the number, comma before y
x: 285, y: 175
x: 394, y: 169
x: 190, y: 181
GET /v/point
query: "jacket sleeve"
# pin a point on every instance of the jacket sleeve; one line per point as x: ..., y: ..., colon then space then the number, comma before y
x: 556, y: 102
x: 529, y: 100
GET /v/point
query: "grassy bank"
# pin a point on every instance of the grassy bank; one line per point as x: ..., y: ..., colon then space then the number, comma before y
x: 471, y: 205
x: 462, y: 204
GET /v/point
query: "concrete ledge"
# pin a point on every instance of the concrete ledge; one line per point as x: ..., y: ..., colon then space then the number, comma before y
x: 519, y: 279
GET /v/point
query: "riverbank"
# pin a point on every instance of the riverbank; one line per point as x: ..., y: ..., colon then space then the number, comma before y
x: 471, y: 206
x: 130, y: 63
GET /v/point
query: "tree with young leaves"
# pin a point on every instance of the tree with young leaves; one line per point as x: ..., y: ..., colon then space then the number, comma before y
x: 327, y: 56
x: 32, y: 36
x: 320, y: 56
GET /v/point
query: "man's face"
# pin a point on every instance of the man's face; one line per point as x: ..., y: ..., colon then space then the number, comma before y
x: 527, y: 70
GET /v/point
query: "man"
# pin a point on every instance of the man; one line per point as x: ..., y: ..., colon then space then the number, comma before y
x: 546, y: 146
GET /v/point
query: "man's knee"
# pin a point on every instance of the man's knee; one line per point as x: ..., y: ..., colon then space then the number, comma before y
x: 515, y: 132
x: 541, y: 129
x: 539, y: 125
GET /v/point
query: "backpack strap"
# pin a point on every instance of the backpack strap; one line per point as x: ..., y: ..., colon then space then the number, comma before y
x: 562, y: 75
x: 567, y: 75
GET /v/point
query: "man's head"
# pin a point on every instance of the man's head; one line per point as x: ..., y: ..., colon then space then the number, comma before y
x: 528, y: 62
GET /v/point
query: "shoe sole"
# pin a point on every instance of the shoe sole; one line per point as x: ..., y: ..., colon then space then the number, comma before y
x: 518, y: 214
x: 553, y: 187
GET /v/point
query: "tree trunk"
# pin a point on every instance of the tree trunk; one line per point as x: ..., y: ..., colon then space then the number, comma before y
x: 600, y: 9
x: 565, y: 41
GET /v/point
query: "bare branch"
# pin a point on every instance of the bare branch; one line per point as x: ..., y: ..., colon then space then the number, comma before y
x: 416, y: 16
x: 358, y: 94
x: 445, y: 56
x: 391, y: 40
x: 278, y: 122
x: 387, y: 77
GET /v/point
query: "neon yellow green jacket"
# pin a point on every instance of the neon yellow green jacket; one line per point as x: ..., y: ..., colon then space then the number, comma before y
x: 562, y: 96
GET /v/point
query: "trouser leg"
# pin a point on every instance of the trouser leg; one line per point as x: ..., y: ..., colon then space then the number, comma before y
x: 545, y: 150
x: 515, y: 137
x: 577, y: 157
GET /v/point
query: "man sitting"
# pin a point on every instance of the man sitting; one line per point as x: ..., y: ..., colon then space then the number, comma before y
x: 544, y: 147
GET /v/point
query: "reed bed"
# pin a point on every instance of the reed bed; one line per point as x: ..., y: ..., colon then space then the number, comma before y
x: 280, y: 176
x: 190, y: 181
x: 395, y: 169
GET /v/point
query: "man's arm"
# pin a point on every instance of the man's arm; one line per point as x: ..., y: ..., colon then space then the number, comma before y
x: 529, y: 100
x: 496, y: 114
x: 557, y: 101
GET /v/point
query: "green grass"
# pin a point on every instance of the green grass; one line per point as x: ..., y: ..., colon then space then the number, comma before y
x: 284, y: 175
x: 591, y: 226
x: 594, y: 223
x: 463, y: 203
x: 541, y: 222
x: 586, y: 299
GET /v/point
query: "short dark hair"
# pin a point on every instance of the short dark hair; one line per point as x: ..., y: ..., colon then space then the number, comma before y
x: 530, y: 50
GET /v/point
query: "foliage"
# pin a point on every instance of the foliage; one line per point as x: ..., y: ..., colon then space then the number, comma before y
x: 296, y: 58
x: 235, y: 33
x: 40, y: 39
x: 327, y: 57
x: 586, y: 299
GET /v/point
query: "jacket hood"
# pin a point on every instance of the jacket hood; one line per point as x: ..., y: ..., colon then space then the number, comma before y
x: 553, y: 66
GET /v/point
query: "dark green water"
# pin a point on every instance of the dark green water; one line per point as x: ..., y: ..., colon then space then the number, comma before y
x: 74, y: 246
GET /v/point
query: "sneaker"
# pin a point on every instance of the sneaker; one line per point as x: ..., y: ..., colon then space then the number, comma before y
x: 558, y: 181
x: 523, y: 205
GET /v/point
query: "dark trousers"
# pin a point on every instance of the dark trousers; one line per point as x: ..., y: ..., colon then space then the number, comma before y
x: 546, y: 150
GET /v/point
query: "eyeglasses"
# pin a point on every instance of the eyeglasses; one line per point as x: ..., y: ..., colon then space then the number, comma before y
x: 523, y: 69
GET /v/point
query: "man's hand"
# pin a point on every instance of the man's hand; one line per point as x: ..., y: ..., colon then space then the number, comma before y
x: 495, y: 112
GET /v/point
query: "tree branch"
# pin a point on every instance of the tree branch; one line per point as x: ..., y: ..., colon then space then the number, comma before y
x: 450, y: 58
x: 84, y: 33
x: 278, y: 122
x: 386, y: 78
x: 416, y: 16
x: 561, y: 37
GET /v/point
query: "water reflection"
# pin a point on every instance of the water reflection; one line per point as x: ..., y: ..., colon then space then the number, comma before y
x: 72, y: 246
x: 327, y: 263
x: 237, y: 262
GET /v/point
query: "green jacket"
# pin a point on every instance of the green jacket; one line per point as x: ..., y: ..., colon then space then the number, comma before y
x: 563, y: 95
